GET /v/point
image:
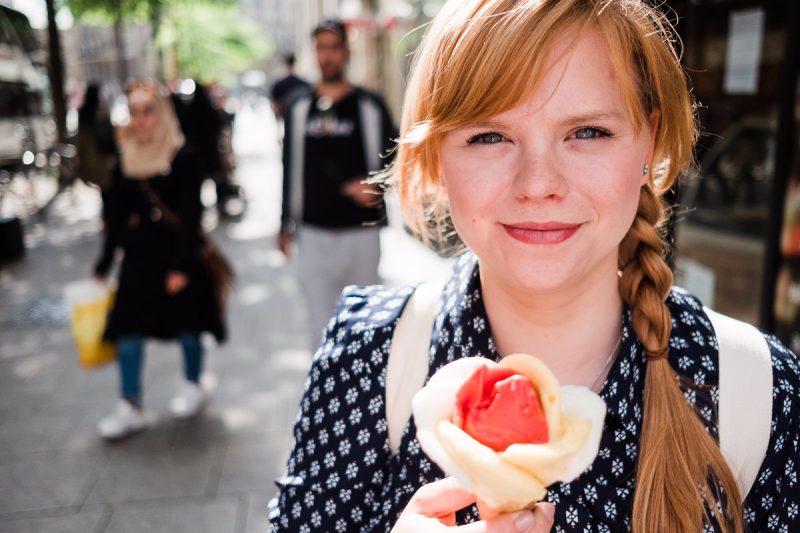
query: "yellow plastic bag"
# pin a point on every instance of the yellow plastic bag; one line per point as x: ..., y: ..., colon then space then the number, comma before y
x: 89, y: 303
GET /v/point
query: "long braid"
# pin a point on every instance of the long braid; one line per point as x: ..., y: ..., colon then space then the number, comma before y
x: 678, y: 457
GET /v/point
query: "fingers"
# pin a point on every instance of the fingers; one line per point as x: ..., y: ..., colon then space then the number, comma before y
x: 415, y: 523
x: 544, y: 513
x: 485, y: 511
x: 434, y: 506
x: 538, y: 521
x: 441, y: 498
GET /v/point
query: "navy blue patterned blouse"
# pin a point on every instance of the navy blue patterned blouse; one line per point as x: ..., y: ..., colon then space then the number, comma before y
x: 341, y: 475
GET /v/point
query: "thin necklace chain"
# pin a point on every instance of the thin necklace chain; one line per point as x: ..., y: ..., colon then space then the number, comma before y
x: 608, y: 361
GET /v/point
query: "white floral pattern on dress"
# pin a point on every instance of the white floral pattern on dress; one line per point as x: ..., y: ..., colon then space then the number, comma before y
x: 340, y: 474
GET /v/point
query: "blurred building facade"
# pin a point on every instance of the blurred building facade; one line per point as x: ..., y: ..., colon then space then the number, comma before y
x: 90, y: 55
x: 276, y: 18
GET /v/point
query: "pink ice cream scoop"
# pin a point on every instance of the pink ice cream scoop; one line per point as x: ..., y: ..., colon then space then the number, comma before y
x: 499, y: 407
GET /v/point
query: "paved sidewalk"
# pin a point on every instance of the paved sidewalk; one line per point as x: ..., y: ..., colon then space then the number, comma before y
x: 211, y: 474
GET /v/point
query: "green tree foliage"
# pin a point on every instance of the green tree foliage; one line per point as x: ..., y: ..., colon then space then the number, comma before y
x: 105, y: 11
x: 211, y: 41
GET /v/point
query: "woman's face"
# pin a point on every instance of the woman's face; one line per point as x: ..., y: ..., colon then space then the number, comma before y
x: 543, y: 193
x: 144, y: 116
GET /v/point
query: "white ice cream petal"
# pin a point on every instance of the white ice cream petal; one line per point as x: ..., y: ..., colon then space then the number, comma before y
x: 581, y: 402
x: 431, y: 405
x: 499, y: 484
x: 435, y: 402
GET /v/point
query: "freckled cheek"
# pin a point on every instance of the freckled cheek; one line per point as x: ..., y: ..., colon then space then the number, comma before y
x: 611, y: 179
x: 472, y: 188
x: 618, y: 198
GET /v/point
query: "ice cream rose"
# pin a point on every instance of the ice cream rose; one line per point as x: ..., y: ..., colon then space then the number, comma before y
x: 507, y: 430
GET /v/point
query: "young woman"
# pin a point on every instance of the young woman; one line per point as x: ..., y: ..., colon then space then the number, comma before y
x: 164, y: 292
x: 545, y: 132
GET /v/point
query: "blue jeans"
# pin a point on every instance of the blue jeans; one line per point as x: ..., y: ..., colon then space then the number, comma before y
x: 130, y: 356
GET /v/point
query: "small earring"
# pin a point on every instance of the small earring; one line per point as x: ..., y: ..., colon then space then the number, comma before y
x: 645, y: 170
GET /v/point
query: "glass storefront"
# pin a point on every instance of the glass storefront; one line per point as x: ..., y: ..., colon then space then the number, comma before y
x: 787, y: 286
x: 734, y: 52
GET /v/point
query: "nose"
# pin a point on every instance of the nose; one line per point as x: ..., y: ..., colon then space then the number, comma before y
x: 538, y: 177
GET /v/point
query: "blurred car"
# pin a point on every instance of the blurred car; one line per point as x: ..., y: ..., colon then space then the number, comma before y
x: 27, y: 129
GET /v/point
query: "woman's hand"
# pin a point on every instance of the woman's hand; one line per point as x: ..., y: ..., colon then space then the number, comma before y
x: 433, y: 508
x: 176, y: 282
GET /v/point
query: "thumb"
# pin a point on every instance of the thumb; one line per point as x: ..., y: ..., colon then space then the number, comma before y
x: 540, y: 520
x: 442, y: 498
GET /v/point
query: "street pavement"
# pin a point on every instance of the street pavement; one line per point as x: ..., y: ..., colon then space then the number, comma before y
x: 210, y: 474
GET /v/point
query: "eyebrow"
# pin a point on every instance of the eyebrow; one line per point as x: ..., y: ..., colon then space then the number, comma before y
x: 571, y: 120
x: 487, y: 124
x: 589, y: 118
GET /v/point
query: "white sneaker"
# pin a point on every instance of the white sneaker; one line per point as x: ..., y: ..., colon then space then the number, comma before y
x: 188, y: 401
x: 124, y: 420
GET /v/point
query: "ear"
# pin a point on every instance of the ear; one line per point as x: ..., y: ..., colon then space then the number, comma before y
x: 652, y: 123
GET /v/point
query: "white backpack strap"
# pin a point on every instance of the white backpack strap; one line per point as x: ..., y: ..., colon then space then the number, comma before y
x: 745, y: 397
x: 408, y: 358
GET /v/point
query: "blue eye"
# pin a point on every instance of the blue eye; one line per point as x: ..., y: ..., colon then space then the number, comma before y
x: 486, y: 138
x: 590, y: 133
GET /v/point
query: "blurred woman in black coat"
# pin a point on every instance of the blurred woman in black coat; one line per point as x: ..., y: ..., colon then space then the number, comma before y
x: 97, y: 149
x: 164, y: 291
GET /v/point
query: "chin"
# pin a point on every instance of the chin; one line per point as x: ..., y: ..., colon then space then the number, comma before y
x: 534, y: 282
x: 332, y: 76
x: 528, y: 274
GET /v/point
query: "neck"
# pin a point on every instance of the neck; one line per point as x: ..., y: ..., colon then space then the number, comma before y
x: 336, y: 89
x: 573, y: 331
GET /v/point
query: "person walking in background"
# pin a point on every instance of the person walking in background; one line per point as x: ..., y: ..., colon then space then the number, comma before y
x: 203, y: 131
x: 334, y: 137
x: 219, y: 98
x: 231, y: 197
x: 202, y: 124
x: 163, y: 291
x: 97, y: 148
x: 287, y: 88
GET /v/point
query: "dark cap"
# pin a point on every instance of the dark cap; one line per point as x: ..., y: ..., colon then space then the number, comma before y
x: 333, y: 25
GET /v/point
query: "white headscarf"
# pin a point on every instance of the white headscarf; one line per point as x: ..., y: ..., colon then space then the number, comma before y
x: 142, y: 160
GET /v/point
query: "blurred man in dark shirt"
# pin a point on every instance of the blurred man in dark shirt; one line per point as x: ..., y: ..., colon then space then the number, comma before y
x: 287, y: 88
x: 335, y: 135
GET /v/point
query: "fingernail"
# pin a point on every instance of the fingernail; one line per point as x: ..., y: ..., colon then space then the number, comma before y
x: 549, y: 510
x: 525, y: 522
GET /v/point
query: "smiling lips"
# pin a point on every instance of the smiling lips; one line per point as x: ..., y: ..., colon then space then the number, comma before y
x: 541, y: 232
